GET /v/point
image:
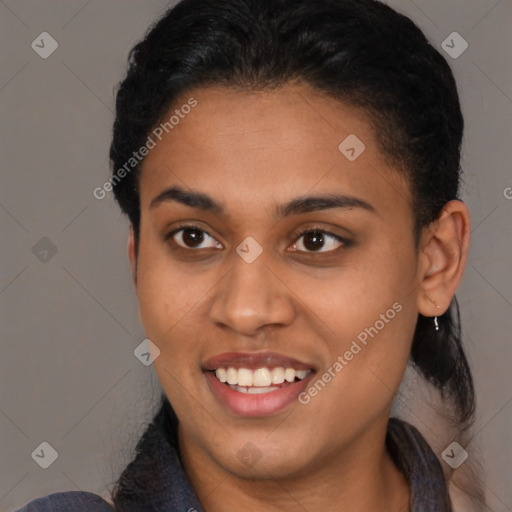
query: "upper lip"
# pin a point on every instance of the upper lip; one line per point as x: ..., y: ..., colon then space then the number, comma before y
x: 253, y: 360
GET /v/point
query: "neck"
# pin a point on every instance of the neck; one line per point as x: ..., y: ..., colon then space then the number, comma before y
x: 361, y: 476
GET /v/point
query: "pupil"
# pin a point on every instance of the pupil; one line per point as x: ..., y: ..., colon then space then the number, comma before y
x: 313, y: 240
x: 192, y: 237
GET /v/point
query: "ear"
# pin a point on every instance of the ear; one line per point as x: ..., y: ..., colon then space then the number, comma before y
x: 444, y: 250
x: 132, y: 255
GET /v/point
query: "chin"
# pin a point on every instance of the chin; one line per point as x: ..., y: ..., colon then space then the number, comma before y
x: 254, y: 457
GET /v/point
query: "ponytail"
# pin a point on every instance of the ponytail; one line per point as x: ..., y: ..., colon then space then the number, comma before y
x: 144, y: 477
x: 439, y: 357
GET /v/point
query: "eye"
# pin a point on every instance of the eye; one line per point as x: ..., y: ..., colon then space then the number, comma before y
x: 316, y: 240
x: 193, y: 237
x: 189, y: 236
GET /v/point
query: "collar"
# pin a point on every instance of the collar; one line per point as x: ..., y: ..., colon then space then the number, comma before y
x: 407, y: 447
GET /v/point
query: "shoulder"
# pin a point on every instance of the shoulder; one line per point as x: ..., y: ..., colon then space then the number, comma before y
x: 70, y: 501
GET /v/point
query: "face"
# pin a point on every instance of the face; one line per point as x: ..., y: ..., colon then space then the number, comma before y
x: 293, y: 276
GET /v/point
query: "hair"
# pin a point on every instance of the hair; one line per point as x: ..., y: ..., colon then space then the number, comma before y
x: 360, y: 52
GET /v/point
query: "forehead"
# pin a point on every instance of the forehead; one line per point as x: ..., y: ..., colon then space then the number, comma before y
x: 266, y: 146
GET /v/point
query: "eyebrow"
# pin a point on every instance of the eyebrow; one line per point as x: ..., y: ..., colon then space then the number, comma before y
x: 296, y: 206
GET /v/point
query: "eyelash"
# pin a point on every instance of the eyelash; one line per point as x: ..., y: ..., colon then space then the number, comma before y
x: 296, y: 236
x: 317, y: 229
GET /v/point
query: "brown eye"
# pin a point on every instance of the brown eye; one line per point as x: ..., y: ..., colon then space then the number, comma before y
x: 192, y: 237
x: 316, y: 240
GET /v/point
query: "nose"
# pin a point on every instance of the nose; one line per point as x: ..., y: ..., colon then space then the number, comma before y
x: 252, y: 296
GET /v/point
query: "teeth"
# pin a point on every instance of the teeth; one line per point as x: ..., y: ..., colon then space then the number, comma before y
x: 289, y: 374
x: 261, y: 378
x: 301, y: 373
x: 254, y: 390
x: 263, y: 389
x: 222, y: 374
x: 244, y: 377
x: 232, y: 376
x: 277, y: 375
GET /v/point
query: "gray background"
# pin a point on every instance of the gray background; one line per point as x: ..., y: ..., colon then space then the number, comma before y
x: 69, y: 321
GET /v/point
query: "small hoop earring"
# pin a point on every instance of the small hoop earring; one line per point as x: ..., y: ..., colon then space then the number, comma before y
x: 436, y: 323
x: 438, y: 307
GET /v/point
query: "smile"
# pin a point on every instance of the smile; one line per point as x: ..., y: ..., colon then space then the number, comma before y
x: 260, y: 376
x: 256, y: 384
x: 260, y: 380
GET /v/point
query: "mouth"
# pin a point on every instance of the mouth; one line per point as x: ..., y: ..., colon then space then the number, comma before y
x: 256, y: 384
x: 259, y: 381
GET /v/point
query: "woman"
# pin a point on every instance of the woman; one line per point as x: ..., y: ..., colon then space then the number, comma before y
x: 290, y: 170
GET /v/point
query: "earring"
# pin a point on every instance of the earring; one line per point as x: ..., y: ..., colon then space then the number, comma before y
x: 436, y: 323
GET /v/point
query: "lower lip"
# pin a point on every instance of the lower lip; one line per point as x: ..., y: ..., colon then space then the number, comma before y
x: 264, y: 404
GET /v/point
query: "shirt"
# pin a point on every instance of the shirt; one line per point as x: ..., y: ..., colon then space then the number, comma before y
x: 407, y: 447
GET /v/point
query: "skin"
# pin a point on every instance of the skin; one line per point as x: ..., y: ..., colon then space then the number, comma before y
x: 251, y: 151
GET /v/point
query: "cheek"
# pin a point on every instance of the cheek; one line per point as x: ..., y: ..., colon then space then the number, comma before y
x: 364, y: 368
x: 166, y: 292
x: 371, y: 314
x: 362, y: 294
x: 169, y: 300
x: 371, y: 327
x: 166, y: 298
